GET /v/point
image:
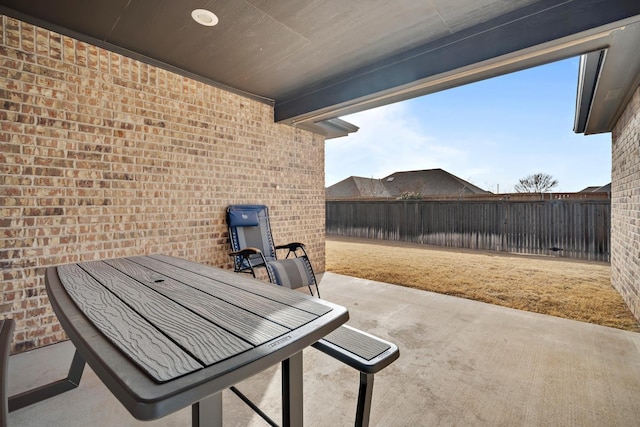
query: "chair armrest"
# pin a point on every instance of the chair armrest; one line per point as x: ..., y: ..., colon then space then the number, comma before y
x: 291, y: 246
x: 292, y: 249
x: 246, y: 252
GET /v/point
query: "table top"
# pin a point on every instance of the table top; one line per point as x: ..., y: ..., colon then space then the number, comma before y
x: 163, y: 333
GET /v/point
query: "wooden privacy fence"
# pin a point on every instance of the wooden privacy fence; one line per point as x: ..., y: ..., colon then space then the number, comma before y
x: 567, y: 228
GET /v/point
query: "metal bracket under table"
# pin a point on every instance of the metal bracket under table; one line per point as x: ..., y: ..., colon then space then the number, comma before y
x: 55, y: 388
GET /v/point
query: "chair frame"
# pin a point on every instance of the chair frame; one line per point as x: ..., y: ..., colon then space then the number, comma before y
x: 244, y: 259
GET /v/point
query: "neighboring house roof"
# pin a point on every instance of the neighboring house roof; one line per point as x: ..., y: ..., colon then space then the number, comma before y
x: 356, y: 186
x: 597, y: 189
x: 605, y: 188
x: 429, y: 182
x: 589, y: 189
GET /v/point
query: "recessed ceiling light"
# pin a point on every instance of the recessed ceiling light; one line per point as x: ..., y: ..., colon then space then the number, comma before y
x: 204, y: 17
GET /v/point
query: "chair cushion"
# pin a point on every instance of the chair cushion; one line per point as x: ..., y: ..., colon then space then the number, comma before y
x: 291, y: 273
x: 243, y: 218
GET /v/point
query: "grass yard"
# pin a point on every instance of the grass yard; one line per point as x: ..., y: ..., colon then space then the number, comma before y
x: 579, y: 290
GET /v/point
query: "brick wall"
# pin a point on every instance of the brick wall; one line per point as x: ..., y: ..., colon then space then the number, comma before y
x: 625, y: 205
x: 103, y: 156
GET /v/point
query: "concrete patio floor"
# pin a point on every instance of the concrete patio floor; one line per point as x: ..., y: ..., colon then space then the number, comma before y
x: 462, y: 363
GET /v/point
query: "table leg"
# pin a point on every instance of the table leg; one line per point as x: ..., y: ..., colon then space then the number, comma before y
x: 364, y: 400
x: 207, y: 412
x: 292, y: 396
x: 46, y: 391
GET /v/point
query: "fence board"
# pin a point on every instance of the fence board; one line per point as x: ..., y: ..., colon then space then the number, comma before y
x: 560, y: 227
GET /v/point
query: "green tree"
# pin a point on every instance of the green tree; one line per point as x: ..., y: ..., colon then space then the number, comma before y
x: 536, y: 183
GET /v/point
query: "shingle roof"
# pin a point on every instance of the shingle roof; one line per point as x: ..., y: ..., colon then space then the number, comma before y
x: 597, y: 189
x: 429, y: 182
x: 356, y: 186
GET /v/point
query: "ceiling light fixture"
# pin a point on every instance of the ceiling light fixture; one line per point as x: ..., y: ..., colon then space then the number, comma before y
x: 204, y: 17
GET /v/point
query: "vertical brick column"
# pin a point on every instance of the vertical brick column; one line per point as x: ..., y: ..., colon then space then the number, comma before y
x: 625, y: 205
x: 103, y: 156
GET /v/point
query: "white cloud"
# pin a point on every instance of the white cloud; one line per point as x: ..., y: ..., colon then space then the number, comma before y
x: 390, y: 139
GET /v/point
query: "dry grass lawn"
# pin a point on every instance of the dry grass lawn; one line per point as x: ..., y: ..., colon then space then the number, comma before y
x: 578, y: 290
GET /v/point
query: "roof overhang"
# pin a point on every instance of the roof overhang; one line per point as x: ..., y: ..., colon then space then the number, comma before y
x: 330, y: 128
x: 318, y: 60
x: 607, y: 80
x: 498, y: 47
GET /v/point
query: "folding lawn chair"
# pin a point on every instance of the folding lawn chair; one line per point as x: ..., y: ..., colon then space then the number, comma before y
x: 253, y: 247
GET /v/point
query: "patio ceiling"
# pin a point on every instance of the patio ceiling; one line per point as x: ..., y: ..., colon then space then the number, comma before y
x: 316, y: 60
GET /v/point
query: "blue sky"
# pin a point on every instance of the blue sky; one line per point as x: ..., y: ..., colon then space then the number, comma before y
x: 491, y: 133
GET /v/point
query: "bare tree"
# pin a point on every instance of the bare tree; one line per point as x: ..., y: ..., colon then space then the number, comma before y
x: 536, y: 183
